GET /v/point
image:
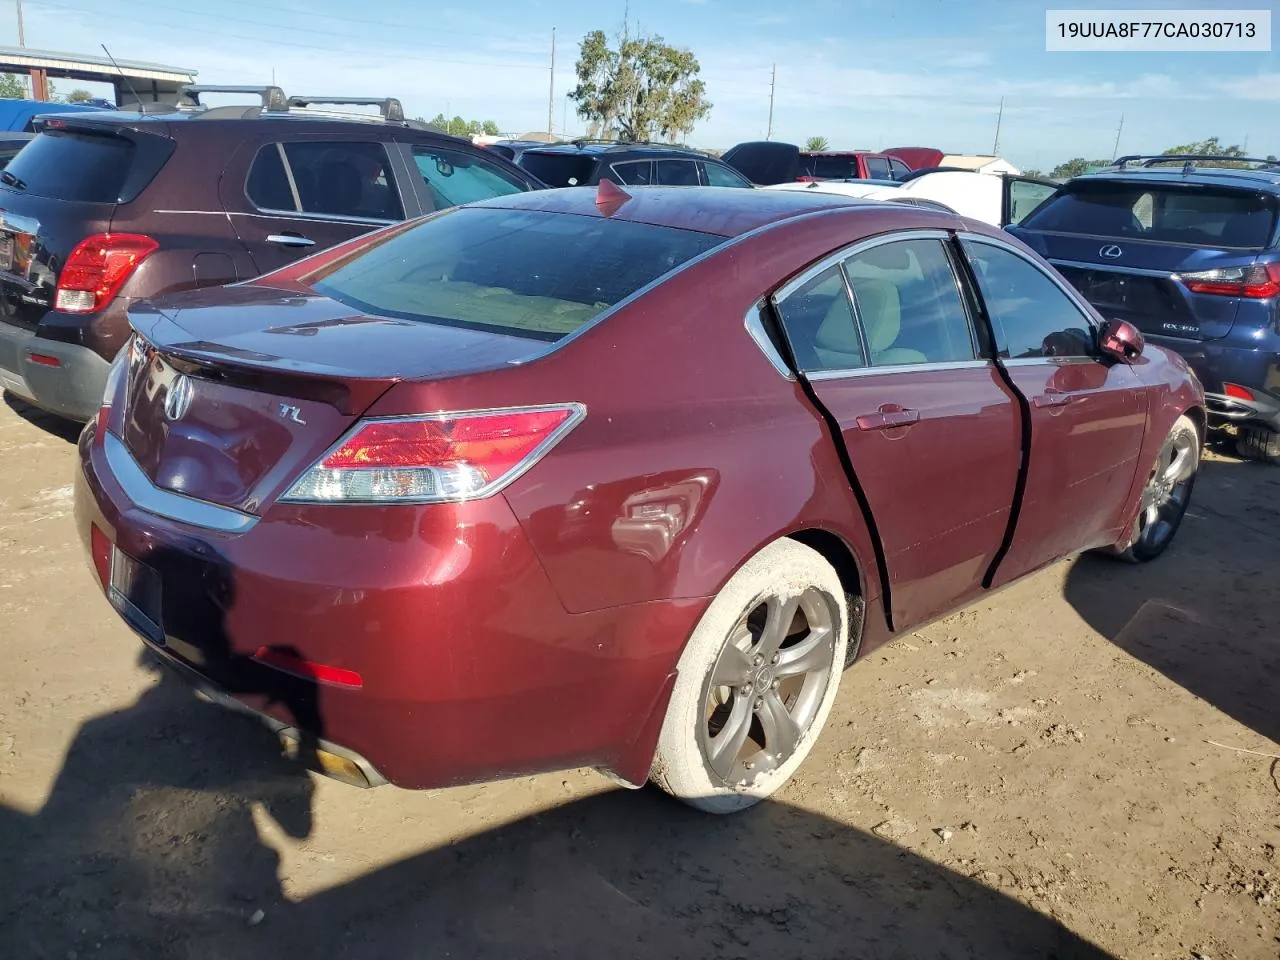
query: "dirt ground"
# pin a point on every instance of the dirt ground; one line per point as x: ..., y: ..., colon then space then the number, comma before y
x: 1031, y: 778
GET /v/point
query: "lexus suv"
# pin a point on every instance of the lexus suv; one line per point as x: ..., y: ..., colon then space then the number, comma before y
x: 1189, y: 254
x: 103, y: 209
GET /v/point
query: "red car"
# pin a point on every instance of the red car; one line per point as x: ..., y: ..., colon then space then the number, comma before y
x: 570, y: 478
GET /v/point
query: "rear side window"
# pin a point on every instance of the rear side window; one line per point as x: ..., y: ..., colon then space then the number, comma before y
x: 878, y: 168
x: 634, y: 173
x: 334, y: 178
x: 829, y: 168
x: 91, y: 168
x: 519, y: 272
x: 559, y: 169
x: 453, y: 177
x: 1205, y: 217
x: 822, y: 331
x: 676, y: 173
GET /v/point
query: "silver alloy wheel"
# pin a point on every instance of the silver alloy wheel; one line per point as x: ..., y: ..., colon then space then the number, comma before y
x: 767, y: 685
x: 1168, y: 490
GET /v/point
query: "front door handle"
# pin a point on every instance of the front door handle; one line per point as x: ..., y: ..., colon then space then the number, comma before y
x: 887, y: 419
x: 291, y: 240
x: 1053, y: 399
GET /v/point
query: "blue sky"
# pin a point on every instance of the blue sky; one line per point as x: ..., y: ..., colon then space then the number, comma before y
x: 863, y: 73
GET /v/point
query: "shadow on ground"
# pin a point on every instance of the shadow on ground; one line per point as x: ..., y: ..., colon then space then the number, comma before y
x: 1207, y: 613
x: 147, y: 847
x: 50, y: 423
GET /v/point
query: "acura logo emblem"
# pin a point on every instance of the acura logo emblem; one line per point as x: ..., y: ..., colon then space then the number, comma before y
x: 178, y: 400
x: 1111, y: 252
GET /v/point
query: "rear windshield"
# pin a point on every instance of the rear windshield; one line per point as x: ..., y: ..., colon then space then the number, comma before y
x: 518, y: 272
x: 73, y: 166
x: 1144, y: 211
x: 829, y: 168
x: 559, y: 169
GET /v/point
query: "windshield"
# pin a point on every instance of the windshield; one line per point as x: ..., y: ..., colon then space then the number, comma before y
x: 518, y: 272
x: 1203, y: 216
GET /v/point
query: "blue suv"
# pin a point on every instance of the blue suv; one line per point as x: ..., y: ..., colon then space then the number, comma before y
x: 1191, y: 256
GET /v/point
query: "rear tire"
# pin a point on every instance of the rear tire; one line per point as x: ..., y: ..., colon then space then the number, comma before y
x: 1257, y: 442
x: 1166, y: 495
x: 752, y: 691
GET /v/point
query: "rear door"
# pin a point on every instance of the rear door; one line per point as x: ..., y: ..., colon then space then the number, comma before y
x: 292, y: 197
x: 1128, y: 245
x: 1087, y: 413
x: 885, y: 339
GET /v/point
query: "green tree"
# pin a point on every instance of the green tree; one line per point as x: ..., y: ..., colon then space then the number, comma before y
x: 11, y: 87
x: 463, y: 128
x: 1212, y: 148
x: 816, y: 144
x: 644, y: 86
x: 79, y: 95
x: 1073, y: 168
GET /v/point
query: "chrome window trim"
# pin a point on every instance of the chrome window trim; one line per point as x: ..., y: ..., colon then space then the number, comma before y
x: 1112, y: 268
x: 757, y: 332
x: 165, y: 503
x: 315, y: 217
x: 858, y: 246
x: 927, y: 367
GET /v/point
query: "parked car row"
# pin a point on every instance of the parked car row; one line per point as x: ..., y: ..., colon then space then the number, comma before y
x: 447, y: 475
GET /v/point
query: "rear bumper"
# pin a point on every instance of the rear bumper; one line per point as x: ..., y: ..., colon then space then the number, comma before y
x: 72, y: 388
x: 470, y: 668
x: 1255, y: 367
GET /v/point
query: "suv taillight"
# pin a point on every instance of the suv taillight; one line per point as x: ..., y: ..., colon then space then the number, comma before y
x: 1256, y: 282
x: 97, y: 268
x: 439, y: 458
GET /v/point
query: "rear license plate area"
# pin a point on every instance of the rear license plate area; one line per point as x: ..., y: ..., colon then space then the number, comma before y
x: 135, y: 590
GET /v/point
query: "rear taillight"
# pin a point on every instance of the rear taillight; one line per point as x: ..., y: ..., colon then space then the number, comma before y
x: 97, y: 268
x: 440, y: 458
x: 1256, y: 282
x: 1238, y: 392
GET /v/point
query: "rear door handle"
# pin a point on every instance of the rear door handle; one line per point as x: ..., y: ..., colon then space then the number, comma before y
x: 888, y: 419
x: 291, y: 240
x: 1053, y: 399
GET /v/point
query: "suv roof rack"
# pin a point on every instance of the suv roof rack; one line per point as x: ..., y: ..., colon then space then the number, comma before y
x: 273, y: 97
x: 1188, y: 160
x: 391, y: 109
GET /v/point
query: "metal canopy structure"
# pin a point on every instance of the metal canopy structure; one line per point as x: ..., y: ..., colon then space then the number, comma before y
x: 135, y: 81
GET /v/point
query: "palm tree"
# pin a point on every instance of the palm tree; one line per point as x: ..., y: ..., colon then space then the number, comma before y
x: 816, y: 144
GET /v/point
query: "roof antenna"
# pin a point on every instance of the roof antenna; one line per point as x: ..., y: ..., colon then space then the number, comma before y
x: 123, y: 77
x: 610, y: 197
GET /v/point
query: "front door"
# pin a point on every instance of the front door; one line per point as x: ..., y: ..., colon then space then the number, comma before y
x: 1087, y: 412
x: 933, y: 433
x: 291, y: 199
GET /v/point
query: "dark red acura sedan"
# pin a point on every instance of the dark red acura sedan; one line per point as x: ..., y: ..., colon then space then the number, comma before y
x: 571, y: 478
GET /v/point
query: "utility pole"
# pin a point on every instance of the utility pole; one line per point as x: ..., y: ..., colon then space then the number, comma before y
x: 995, y: 150
x: 22, y: 40
x: 551, y: 94
x: 1115, y: 151
x: 773, y: 80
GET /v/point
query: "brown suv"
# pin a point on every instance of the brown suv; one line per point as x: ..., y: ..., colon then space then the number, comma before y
x: 103, y: 209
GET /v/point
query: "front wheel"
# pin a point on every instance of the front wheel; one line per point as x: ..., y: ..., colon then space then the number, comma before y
x: 755, y: 682
x: 1167, y: 494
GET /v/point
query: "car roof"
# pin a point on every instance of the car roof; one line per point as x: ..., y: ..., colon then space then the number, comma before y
x: 724, y: 211
x: 842, y: 153
x: 601, y: 148
x: 1241, y: 177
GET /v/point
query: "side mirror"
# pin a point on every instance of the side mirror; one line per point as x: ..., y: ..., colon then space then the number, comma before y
x: 1122, y: 341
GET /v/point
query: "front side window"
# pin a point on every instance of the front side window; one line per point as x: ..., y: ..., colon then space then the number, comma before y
x: 878, y: 168
x: 820, y: 326
x: 559, y: 169
x: 1030, y: 314
x: 897, y: 169
x: 454, y: 178
x: 719, y: 175
x: 1025, y: 196
x: 516, y: 272
x: 909, y: 303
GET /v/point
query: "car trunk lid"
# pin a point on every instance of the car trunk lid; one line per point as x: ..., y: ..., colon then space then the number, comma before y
x: 234, y: 392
